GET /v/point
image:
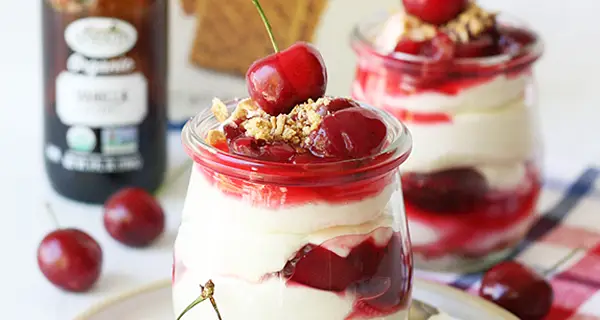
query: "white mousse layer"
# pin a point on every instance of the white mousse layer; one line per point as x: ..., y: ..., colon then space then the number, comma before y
x: 224, y: 239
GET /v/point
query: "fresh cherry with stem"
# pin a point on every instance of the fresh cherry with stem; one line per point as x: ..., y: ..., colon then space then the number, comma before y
x: 286, y: 78
x: 519, y: 289
x: 134, y: 217
x: 69, y: 258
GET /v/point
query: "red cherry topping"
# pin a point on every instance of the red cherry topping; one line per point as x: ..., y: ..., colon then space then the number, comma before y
x: 232, y: 131
x: 440, y: 48
x: 260, y: 149
x: 435, y: 11
x: 70, y: 259
x: 284, y: 79
x: 337, y: 104
x: 350, y: 133
x: 483, y: 46
x: 409, y: 46
x: 134, y: 217
x: 454, y: 191
x: 518, y: 289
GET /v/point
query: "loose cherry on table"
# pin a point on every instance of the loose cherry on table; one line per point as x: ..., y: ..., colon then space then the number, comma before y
x: 435, y: 11
x: 521, y: 290
x: 70, y: 259
x: 518, y: 289
x: 134, y: 217
x: 286, y: 78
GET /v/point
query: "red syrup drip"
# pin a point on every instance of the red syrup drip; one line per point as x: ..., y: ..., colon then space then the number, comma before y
x: 466, y: 219
x: 379, y: 277
x: 276, y: 197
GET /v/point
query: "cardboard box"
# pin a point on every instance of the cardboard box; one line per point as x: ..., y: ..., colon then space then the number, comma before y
x: 212, y: 43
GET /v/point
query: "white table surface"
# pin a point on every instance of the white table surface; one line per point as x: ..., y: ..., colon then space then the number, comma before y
x: 569, y: 108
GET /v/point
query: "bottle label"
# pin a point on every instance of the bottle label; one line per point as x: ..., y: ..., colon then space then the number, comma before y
x: 100, y: 98
x: 101, y: 101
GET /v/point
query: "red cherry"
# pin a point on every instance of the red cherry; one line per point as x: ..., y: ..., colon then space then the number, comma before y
x: 482, y: 46
x: 435, y: 11
x: 449, y: 191
x: 259, y: 149
x: 518, y: 289
x: 281, y: 81
x: 440, y: 48
x: 70, y: 259
x: 232, y: 131
x: 349, y: 134
x: 409, y: 46
x: 337, y: 104
x: 134, y: 217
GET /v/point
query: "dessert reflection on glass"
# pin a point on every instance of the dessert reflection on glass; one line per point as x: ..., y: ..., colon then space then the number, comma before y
x: 294, y: 207
x: 460, y: 78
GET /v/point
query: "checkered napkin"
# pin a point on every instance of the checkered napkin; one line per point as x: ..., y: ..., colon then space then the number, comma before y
x: 569, y: 220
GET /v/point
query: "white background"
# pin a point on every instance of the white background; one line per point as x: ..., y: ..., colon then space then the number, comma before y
x: 569, y: 109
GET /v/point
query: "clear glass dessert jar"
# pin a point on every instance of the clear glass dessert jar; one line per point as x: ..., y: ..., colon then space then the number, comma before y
x: 294, y: 241
x: 473, y: 178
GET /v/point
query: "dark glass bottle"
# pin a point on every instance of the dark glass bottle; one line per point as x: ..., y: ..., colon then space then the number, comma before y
x: 105, y: 80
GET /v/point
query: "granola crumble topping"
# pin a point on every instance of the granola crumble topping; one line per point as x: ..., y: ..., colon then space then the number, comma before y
x: 470, y: 24
x: 293, y: 128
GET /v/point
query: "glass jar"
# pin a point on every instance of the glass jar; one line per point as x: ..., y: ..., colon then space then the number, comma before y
x: 293, y: 241
x: 473, y: 178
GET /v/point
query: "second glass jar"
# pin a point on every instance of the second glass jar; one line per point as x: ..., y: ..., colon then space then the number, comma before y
x: 473, y: 179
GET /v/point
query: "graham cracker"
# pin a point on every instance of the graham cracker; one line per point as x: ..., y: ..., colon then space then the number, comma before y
x: 230, y: 34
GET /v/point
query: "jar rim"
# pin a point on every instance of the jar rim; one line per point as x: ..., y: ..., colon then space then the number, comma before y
x: 364, y: 46
x: 394, y: 154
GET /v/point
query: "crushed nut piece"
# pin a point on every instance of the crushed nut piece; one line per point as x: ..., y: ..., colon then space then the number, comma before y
x: 470, y: 24
x: 215, y: 137
x: 219, y: 109
x: 259, y: 128
x: 293, y: 128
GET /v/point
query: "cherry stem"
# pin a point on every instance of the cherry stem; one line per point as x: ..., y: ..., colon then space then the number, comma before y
x: 208, y: 291
x: 52, y: 215
x: 179, y: 171
x: 267, y: 24
x: 560, y: 262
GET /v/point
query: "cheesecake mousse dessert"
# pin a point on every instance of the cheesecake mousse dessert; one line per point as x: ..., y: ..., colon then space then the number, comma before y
x: 460, y: 78
x: 294, y: 207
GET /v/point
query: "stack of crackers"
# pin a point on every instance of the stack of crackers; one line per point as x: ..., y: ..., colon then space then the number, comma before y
x: 230, y: 34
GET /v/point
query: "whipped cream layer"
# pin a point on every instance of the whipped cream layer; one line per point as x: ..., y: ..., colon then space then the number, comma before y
x: 491, y: 130
x: 237, y: 245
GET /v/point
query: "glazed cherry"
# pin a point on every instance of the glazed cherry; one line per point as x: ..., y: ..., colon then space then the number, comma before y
x: 281, y: 81
x: 70, y: 259
x: 260, y: 149
x: 435, y: 11
x: 483, y: 46
x: 518, y: 289
x: 134, y: 217
x: 449, y: 191
x: 349, y: 134
x: 337, y: 104
x: 440, y: 48
x: 409, y: 46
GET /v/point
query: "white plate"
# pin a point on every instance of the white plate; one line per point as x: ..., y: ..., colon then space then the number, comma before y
x: 153, y: 302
